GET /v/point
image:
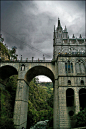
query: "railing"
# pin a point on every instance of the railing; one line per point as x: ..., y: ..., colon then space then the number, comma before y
x: 26, y: 61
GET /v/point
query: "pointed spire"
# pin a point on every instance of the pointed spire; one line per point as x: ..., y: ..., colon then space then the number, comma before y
x: 73, y: 36
x: 80, y: 36
x: 54, y: 28
x: 58, y: 22
x: 65, y: 28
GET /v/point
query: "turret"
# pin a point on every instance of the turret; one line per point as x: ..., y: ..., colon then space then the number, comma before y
x: 65, y: 33
x: 73, y: 36
x: 80, y: 36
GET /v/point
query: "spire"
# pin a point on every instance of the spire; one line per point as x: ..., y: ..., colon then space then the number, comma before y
x: 58, y: 22
x: 59, y: 25
x: 73, y: 36
x: 65, y: 29
x: 80, y: 36
x: 54, y: 28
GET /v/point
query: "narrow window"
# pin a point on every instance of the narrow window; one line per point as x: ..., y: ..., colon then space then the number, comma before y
x: 66, y: 67
x: 69, y: 82
x: 82, y: 82
x: 72, y: 67
x: 82, y: 68
x: 22, y: 67
x: 77, y: 68
x: 70, y: 97
x: 82, y: 96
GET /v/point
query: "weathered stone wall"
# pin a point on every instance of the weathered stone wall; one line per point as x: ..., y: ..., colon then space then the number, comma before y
x: 75, y: 78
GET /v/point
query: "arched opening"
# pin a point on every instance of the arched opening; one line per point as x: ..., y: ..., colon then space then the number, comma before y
x: 8, y: 76
x: 40, y: 100
x: 7, y: 71
x: 70, y: 97
x: 69, y: 82
x: 22, y: 67
x: 71, y: 113
x: 82, y: 82
x: 82, y: 100
x: 39, y: 70
x: 72, y: 67
x: 69, y: 67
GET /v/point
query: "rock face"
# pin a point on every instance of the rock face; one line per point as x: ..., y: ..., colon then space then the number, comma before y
x: 40, y: 125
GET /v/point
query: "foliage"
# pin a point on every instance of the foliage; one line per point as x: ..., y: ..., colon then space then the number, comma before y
x: 12, y: 54
x: 4, y: 50
x: 81, y: 118
x: 6, y: 121
x: 38, y: 107
x: 48, y: 86
x: 11, y: 88
x: 40, y: 104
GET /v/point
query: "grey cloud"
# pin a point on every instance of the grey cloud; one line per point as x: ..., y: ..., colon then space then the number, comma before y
x: 29, y: 27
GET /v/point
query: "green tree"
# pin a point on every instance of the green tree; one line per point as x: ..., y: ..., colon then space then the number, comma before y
x: 81, y: 118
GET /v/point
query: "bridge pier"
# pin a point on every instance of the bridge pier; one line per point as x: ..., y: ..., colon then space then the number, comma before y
x: 21, y: 104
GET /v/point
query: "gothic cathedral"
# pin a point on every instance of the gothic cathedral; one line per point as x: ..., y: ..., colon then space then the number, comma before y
x: 70, y: 55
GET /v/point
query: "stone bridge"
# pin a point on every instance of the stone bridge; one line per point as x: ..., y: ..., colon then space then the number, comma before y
x: 26, y: 71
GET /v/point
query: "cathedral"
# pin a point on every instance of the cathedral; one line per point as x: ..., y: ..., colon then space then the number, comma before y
x: 70, y: 56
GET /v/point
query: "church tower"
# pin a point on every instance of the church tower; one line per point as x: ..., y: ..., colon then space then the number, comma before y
x: 70, y: 55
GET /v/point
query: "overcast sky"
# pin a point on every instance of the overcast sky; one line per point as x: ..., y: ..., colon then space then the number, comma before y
x: 29, y: 25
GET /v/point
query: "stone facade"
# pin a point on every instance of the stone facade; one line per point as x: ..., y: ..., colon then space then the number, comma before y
x: 70, y: 55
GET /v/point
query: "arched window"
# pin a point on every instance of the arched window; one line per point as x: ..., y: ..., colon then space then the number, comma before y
x: 69, y: 82
x: 80, y: 67
x: 72, y: 67
x: 70, y: 97
x: 82, y: 96
x: 82, y: 82
x: 22, y: 67
x: 68, y: 67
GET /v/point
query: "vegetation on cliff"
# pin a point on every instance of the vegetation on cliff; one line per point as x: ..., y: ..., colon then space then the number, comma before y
x: 39, y: 104
x: 4, y: 50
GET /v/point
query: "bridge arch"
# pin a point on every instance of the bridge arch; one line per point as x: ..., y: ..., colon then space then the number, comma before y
x: 39, y: 70
x: 21, y: 101
x: 6, y: 71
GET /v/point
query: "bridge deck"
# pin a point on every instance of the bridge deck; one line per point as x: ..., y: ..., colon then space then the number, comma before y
x: 26, y: 61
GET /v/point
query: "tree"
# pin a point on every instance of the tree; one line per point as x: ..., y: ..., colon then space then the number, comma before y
x: 81, y: 118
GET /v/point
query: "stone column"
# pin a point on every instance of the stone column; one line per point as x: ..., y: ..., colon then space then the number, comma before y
x: 21, y: 104
x: 55, y: 109
x: 77, y: 105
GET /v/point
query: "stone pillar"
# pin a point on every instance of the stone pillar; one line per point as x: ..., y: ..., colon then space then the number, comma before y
x: 63, y: 113
x: 77, y: 105
x: 21, y: 104
x: 55, y: 109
